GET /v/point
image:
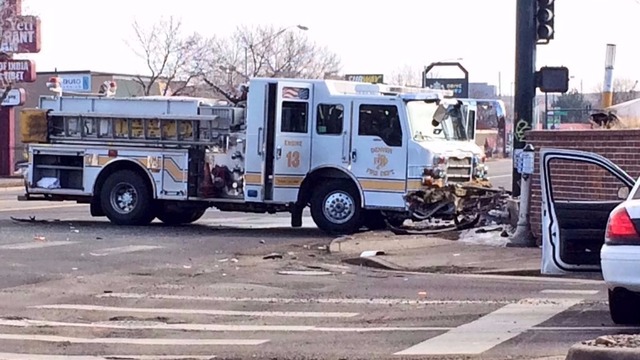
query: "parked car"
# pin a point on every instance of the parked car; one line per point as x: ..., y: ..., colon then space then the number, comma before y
x: 594, y: 235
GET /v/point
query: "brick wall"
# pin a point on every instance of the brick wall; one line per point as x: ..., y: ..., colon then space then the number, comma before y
x: 579, y: 181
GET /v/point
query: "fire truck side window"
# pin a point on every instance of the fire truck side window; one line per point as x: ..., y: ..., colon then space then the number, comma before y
x: 330, y: 119
x: 295, y: 117
x: 382, y: 121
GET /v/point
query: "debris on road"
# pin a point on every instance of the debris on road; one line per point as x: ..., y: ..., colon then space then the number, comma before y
x: 39, y: 238
x: 32, y: 219
x: 369, y: 253
x: 442, y: 208
x: 272, y: 256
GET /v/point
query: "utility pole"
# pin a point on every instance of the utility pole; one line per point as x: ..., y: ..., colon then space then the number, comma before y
x: 525, y: 85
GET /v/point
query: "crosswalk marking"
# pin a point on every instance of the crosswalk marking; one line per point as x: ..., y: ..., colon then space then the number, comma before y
x: 512, y: 319
x: 492, y: 329
x: 304, y: 314
x: 276, y: 300
x: 35, y: 245
x: 146, y: 325
x: 124, y: 250
x: 131, y: 341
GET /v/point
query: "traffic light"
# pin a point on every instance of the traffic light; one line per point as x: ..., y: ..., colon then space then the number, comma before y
x: 544, y: 21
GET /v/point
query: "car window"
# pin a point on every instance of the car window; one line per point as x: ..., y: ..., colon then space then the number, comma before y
x: 635, y: 192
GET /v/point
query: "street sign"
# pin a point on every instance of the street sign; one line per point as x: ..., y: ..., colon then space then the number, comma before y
x: 15, y: 97
x: 22, y: 36
x: 368, y: 78
x: 16, y: 71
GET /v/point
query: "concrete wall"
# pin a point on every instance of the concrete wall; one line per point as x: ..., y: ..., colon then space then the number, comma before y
x: 579, y: 181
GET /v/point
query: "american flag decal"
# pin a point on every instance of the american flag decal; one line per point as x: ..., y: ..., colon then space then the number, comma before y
x: 295, y: 93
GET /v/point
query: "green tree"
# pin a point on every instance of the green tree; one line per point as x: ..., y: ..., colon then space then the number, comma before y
x: 574, y: 103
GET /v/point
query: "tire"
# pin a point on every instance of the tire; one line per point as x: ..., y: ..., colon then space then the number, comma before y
x: 126, y: 199
x: 335, y: 207
x: 623, y: 307
x: 182, y: 216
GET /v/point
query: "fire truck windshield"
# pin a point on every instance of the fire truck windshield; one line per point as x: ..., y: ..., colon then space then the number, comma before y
x: 422, y: 125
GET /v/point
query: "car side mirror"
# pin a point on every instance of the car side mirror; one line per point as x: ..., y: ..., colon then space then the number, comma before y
x: 623, y: 193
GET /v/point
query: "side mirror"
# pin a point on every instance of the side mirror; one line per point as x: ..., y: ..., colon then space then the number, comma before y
x: 623, y: 193
x: 439, y: 114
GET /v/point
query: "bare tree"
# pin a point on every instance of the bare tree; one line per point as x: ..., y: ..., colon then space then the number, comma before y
x: 406, y: 75
x: 624, y: 89
x: 173, y: 59
x: 267, y: 51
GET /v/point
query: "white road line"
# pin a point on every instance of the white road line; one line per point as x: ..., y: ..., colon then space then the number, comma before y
x: 36, y: 245
x: 133, y: 325
x: 125, y: 250
x: 45, y: 207
x: 304, y: 314
x: 570, y: 292
x: 499, y: 176
x: 518, y: 278
x: 15, y: 356
x: 131, y: 341
x: 275, y: 300
x: 492, y: 329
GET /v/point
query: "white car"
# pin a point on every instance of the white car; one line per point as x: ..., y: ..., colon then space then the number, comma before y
x: 593, y: 231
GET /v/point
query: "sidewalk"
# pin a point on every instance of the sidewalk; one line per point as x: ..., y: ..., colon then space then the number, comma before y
x: 11, y: 182
x: 473, y: 253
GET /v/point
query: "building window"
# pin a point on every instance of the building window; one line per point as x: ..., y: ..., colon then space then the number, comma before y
x: 330, y: 119
x: 381, y: 121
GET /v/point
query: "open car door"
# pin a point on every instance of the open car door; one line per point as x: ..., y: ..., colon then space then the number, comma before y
x: 576, y: 207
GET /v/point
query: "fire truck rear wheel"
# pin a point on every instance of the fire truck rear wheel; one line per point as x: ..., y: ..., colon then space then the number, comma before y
x: 126, y: 199
x: 335, y: 207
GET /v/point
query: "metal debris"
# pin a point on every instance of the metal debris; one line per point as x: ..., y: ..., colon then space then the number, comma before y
x: 442, y: 208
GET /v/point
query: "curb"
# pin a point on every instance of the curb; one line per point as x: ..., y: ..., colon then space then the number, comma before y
x: 374, y: 262
x: 587, y: 352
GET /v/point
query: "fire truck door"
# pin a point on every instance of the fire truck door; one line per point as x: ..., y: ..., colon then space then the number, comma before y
x: 331, y: 134
x: 292, y: 145
x: 378, y: 152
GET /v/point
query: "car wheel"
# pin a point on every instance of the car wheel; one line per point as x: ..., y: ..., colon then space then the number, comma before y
x: 623, y: 307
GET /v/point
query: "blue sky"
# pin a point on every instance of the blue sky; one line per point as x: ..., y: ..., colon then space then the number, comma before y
x: 370, y: 37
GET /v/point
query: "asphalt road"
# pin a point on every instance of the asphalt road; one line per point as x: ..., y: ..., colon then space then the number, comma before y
x: 500, y: 172
x: 78, y: 286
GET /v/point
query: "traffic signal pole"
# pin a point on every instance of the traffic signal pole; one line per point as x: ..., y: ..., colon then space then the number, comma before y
x: 525, y: 86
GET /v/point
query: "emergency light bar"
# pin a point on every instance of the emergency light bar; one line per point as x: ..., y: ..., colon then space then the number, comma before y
x: 376, y: 89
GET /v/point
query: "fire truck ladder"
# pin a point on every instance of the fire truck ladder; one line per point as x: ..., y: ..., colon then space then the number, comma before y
x: 146, y: 130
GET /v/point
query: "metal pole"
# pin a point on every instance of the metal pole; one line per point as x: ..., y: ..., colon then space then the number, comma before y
x: 525, y: 86
x: 607, y: 91
x: 523, y: 236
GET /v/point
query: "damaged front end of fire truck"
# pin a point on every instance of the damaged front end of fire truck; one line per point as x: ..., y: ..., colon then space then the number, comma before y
x: 455, y: 191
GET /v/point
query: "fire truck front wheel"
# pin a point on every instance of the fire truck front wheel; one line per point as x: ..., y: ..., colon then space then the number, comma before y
x: 335, y: 207
x: 126, y: 199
